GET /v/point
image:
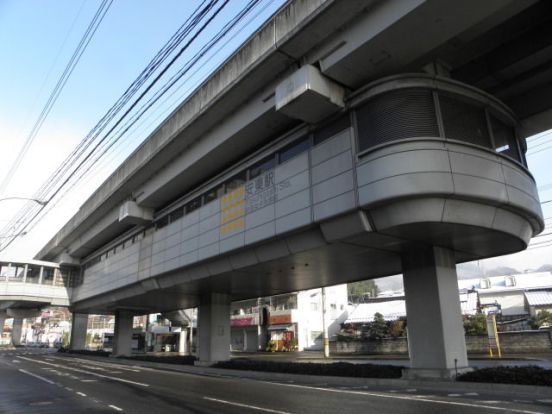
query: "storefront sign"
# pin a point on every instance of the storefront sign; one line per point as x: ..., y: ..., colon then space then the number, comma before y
x: 242, y: 322
x: 280, y: 319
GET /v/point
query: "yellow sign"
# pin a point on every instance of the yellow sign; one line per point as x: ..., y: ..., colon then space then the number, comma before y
x: 232, y: 211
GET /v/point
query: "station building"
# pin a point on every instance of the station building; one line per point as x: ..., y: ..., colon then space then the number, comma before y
x: 344, y: 140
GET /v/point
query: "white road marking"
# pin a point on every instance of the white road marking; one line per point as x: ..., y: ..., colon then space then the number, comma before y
x: 546, y: 401
x: 410, y: 398
x: 253, y: 407
x: 101, y: 364
x: 453, y: 395
x: 82, y: 394
x: 88, y: 380
x: 37, y: 376
x: 471, y: 394
x: 411, y: 390
x: 16, y: 361
x: 115, y: 407
x: 86, y: 372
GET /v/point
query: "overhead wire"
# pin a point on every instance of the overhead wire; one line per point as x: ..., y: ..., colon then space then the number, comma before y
x: 66, y: 169
x: 122, y: 133
x: 144, y: 108
x: 54, y: 95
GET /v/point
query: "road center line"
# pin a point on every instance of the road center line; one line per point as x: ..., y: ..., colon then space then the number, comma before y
x: 408, y: 398
x: 115, y: 407
x: 85, y: 372
x: 37, y: 376
x: 253, y: 407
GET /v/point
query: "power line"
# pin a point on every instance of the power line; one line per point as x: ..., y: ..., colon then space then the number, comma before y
x: 92, y: 157
x: 69, y: 68
x: 67, y: 169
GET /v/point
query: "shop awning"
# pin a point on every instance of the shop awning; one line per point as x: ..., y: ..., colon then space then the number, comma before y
x: 280, y: 327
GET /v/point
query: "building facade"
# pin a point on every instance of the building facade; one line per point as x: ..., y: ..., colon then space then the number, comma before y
x: 324, y: 151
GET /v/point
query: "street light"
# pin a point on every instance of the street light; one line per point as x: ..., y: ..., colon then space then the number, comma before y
x: 42, y: 203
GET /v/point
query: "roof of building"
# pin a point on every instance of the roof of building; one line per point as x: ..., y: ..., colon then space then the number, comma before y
x: 521, y: 281
x: 364, y: 312
x: 539, y: 297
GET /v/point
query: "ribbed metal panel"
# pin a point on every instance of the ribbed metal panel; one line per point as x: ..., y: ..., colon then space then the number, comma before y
x: 399, y: 114
x: 464, y: 121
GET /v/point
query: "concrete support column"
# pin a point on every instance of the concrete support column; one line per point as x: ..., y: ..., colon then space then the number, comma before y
x: 3, y: 317
x: 214, y: 328
x: 436, y: 340
x: 79, y: 327
x: 183, y: 341
x: 122, y: 338
x: 17, y: 329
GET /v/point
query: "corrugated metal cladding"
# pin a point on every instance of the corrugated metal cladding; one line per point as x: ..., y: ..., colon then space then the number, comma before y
x: 539, y: 297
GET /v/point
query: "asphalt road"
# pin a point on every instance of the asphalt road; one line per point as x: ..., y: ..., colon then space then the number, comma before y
x: 40, y: 381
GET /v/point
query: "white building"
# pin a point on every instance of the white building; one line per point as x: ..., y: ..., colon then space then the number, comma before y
x: 515, y: 294
x: 289, y: 321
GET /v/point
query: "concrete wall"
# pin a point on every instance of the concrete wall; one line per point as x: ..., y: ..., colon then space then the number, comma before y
x: 510, y: 342
x: 312, y: 186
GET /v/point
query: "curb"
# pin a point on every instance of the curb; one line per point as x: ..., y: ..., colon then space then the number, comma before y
x: 301, y: 379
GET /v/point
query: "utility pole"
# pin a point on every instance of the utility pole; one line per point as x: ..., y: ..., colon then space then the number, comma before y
x: 325, y: 325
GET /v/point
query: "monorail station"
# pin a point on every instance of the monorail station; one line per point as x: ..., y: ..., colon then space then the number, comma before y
x: 345, y: 140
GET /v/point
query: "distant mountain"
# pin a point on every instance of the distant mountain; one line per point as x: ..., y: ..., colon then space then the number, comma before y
x: 469, y: 271
x: 502, y: 271
x: 545, y: 268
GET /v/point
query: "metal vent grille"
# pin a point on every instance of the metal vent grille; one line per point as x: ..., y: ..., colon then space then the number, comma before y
x: 400, y: 114
x: 464, y: 121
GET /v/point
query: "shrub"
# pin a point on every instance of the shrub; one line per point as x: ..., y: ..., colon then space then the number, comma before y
x: 540, y: 319
x: 174, y: 359
x: 84, y: 352
x: 530, y: 375
x: 339, y: 369
x: 475, y: 325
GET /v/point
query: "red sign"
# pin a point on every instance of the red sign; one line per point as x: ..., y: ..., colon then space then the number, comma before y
x: 280, y: 319
x: 241, y: 322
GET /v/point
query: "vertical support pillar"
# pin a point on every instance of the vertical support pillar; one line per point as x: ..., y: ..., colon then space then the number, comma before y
x: 183, y: 341
x: 3, y: 316
x: 122, y: 337
x: 79, y: 327
x: 214, y: 328
x: 436, y: 340
x: 17, y: 329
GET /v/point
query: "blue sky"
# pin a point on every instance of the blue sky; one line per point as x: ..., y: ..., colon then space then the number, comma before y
x: 37, y: 38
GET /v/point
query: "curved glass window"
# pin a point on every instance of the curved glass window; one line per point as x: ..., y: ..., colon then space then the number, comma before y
x: 464, y: 121
x: 411, y: 112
